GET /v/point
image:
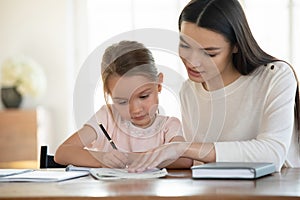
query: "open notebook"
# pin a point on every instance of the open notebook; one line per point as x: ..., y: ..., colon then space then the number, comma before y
x: 108, y: 173
x: 111, y: 173
x: 9, y: 172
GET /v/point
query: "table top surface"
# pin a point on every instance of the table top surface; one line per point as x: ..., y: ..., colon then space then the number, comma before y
x: 179, y: 184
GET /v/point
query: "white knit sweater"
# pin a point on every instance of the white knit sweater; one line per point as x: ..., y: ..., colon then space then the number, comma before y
x: 252, y: 119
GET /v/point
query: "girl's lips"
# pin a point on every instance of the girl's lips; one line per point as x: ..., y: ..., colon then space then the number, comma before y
x: 138, y: 118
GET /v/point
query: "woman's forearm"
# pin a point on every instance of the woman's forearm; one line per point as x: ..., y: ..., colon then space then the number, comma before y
x: 181, y: 163
x: 204, y: 152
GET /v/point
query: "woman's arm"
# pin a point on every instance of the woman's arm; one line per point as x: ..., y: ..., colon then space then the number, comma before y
x: 181, y: 162
x: 203, y: 152
x: 173, y: 151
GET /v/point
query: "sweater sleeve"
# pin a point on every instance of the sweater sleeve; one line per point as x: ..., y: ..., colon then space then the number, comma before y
x: 172, y: 129
x: 101, y: 116
x: 274, y: 137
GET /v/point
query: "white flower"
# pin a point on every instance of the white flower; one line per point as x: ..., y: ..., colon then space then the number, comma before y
x: 25, y: 74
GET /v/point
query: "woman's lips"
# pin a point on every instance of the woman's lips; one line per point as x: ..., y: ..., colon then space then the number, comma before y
x: 195, y: 73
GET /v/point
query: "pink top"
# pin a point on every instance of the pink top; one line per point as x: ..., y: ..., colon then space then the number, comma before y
x: 129, y: 138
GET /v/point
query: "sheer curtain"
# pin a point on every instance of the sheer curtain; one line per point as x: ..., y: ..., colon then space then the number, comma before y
x: 274, y: 23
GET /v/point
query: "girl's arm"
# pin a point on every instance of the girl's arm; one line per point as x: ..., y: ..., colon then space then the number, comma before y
x: 74, y: 151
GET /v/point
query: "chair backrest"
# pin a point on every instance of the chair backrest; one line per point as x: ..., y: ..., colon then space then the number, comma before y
x: 47, y: 161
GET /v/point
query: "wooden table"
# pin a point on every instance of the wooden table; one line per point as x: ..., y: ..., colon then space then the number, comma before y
x: 179, y: 185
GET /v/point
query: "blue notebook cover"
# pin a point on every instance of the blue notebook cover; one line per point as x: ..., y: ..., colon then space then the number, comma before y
x: 232, y: 170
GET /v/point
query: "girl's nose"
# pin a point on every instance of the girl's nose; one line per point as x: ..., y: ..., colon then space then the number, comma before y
x: 135, y: 106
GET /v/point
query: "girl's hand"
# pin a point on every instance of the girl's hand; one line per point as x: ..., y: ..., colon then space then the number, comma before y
x: 112, y: 159
x: 159, y: 157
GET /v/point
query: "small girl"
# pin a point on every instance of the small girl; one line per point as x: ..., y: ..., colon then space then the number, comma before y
x: 131, y: 85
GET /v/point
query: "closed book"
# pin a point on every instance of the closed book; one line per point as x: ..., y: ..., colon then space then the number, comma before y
x: 232, y: 170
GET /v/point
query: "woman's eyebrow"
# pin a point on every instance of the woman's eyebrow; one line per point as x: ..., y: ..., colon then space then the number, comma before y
x: 211, y: 48
x: 181, y: 39
x: 205, y: 49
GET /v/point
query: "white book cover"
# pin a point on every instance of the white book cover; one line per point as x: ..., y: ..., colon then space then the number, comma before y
x: 233, y: 170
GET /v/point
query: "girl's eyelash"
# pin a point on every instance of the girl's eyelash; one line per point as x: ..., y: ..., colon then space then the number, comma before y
x: 124, y: 102
x: 121, y: 102
x: 144, y: 96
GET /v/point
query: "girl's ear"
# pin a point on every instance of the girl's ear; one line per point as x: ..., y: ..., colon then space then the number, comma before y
x: 160, y: 81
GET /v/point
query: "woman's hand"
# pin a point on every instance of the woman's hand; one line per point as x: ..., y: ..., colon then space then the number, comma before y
x: 159, y: 157
x: 112, y: 159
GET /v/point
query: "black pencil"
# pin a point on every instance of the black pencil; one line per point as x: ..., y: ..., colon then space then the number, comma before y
x: 107, y: 136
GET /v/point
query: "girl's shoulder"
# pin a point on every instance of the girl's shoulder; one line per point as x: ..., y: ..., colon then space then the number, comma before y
x: 169, y: 121
x: 171, y: 126
x: 105, y: 115
x: 103, y: 110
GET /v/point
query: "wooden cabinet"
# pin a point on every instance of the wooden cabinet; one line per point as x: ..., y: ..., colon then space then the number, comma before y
x: 18, y: 138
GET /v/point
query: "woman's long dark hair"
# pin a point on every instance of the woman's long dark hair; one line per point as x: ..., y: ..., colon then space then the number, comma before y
x: 227, y: 18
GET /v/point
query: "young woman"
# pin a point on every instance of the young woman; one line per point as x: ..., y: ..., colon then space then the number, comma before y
x: 131, y: 85
x: 240, y: 103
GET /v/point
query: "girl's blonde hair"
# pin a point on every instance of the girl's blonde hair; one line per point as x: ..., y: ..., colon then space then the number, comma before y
x: 127, y: 58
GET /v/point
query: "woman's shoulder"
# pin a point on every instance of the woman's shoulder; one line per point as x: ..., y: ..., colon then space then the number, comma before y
x: 274, y: 71
x: 276, y: 67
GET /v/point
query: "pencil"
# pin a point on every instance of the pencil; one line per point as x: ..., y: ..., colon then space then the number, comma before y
x: 107, y: 136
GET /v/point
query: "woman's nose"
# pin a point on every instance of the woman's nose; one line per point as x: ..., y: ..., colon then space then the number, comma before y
x: 194, y: 59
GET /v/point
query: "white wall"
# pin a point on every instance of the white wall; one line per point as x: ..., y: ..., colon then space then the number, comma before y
x: 43, y: 30
x: 54, y: 33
